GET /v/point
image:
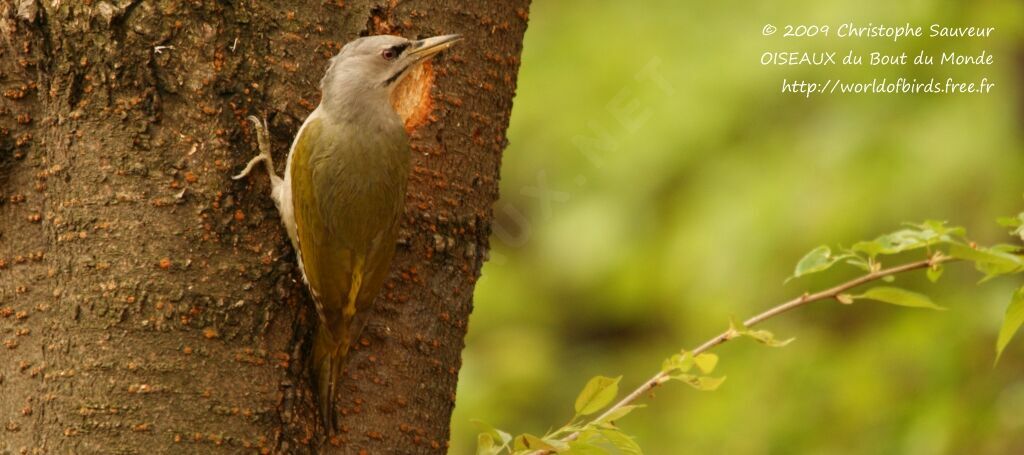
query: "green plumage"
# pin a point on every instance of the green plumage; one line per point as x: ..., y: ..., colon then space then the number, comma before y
x: 348, y: 191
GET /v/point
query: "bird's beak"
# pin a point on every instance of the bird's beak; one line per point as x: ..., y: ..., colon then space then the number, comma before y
x: 426, y: 48
x: 418, y: 52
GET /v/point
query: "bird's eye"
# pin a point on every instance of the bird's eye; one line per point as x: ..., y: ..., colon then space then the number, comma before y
x: 389, y: 53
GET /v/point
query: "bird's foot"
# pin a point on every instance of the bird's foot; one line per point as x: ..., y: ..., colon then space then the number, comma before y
x: 263, y: 138
x: 248, y: 167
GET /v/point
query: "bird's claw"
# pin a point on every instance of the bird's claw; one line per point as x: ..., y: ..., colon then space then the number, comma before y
x: 263, y: 139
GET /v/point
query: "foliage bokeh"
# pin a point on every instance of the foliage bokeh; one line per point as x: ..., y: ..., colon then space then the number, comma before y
x: 610, y: 255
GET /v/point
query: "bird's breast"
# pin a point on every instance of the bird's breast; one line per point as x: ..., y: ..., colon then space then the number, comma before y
x: 360, y: 177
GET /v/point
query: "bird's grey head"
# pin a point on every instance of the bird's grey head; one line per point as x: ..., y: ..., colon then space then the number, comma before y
x: 372, y: 66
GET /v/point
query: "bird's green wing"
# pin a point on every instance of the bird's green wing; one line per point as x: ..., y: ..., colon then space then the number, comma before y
x: 330, y: 268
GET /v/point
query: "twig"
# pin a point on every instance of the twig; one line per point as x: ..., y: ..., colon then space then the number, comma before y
x: 831, y: 293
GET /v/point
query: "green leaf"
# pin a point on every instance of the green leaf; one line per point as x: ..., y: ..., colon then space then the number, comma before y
x: 934, y: 231
x: 1011, y: 323
x: 569, y: 428
x: 707, y: 383
x: 496, y: 435
x: 1016, y: 223
x: 870, y: 248
x: 966, y: 252
x: 585, y: 448
x: 761, y: 336
x: 519, y: 444
x: 989, y: 261
x: 682, y: 362
x: 1011, y: 222
x: 620, y: 412
x: 598, y: 393
x: 859, y: 262
x: 922, y: 235
x: 896, y: 242
x: 555, y: 444
x: 702, y: 383
x: 818, y: 260
x: 897, y: 296
x: 1008, y: 248
x: 622, y: 441
x: 935, y: 272
x: 485, y: 445
x: 706, y: 362
x: 530, y: 442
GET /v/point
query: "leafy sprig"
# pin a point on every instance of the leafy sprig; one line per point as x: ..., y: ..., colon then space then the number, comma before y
x: 940, y: 244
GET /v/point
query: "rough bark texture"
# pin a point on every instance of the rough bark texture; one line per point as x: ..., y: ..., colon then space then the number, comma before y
x: 149, y: 304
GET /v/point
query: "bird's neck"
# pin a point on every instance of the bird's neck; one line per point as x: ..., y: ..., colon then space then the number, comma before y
x: 358, y: 104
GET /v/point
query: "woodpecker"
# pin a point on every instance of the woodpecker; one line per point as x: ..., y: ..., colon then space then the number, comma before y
x: 343, y: 192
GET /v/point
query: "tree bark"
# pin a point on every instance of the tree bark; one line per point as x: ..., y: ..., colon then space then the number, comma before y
x: 148, y: 303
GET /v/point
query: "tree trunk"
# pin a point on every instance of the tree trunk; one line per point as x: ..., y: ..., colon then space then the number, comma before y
x: 148, y: 303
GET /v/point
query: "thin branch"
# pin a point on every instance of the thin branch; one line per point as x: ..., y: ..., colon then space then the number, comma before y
x: 827, y: 294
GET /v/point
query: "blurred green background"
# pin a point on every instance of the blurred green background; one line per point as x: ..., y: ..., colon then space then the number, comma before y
x: 640, y: 213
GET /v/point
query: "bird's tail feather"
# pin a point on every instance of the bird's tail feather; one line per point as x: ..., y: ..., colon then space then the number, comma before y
x: 328, y: 361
